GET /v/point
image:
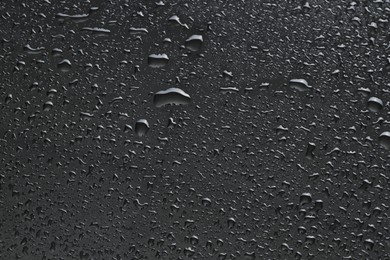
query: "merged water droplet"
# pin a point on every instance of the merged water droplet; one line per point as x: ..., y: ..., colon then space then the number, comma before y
x: 194, y: 42
x: 31, y: 50
x: 173, y: 96
x: 75, y: 17
x: 299, y: 84
x: 374, y: 104
x: 97, y: 31
x: 176, y: 20
x: 141, y: 127
x: 157, y: 60
x: 228, y: 89
x: 134, y: 30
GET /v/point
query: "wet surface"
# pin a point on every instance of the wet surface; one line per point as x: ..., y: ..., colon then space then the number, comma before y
x: 264, y: 135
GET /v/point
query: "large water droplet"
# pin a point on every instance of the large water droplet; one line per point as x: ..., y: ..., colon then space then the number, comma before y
x: 374, y: 104
x: 141, y: 127
x: 384, y: 140
x: 305, y: 198
x: 206, y: 202
x: 368, y: 244
x: 173, y: 96
x: 157, y: 60
x: 194, y: 42
x: 47, y: 106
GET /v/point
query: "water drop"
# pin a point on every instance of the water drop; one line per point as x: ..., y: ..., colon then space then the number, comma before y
x: 194, y: 42
x: 97, y: 31
x: 384, y: 140
x: 368, y: 244
x: 374, y: 104
x: 134, y: 30
x: 206, y: 202
x: 56, y: 52
x: 176, y: 20
x: 231, y: 222
x: 189, y: 252
x: 51, y: 92
x: 141, y: 127
x: 173, y: 96
x: 47, y: 106
x: 65, y: 65
x: 8, y: 98
x: 310, y: 151
x: 305, y: 198
x: 299, y: 84
x: 194, y: 240
x: 157, y: 60
x: 31, y: 50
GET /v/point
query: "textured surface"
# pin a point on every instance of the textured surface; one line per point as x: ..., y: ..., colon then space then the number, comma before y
x: 251, y: 166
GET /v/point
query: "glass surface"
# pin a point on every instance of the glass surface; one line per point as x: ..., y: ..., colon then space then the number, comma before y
x: 186, y: 129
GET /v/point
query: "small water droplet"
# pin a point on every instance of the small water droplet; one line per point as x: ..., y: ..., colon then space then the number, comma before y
x: 65, y: 65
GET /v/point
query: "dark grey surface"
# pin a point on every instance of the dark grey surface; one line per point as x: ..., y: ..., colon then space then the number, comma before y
x: 252, y: 168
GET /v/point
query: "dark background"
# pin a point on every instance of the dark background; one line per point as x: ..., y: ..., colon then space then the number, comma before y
x: 234, y: 177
